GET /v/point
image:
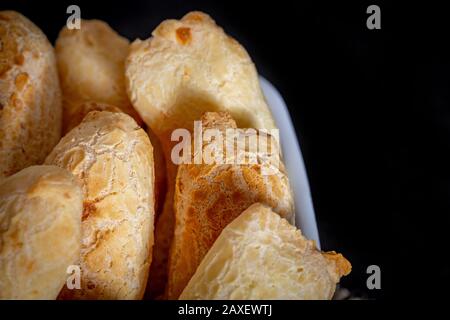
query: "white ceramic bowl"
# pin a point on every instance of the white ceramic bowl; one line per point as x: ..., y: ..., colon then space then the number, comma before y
x: 305, y: 218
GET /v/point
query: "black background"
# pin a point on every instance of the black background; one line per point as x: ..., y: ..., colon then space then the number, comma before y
x: 371, y: 109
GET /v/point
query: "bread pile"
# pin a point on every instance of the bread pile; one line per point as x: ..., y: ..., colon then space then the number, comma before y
x: 88, y: 179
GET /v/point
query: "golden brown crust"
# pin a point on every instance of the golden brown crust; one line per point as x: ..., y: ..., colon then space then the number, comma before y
x: 91, y: 68
x: 86, y: 107
x: 113, y: 158
x: 261, y: 256
x: 40, y: 231
x: 160, y: 171
x: 30, y: 97
x: 339, y: 265
x: 218, y: 120
x: 209, y: 197
x: 186, y: 68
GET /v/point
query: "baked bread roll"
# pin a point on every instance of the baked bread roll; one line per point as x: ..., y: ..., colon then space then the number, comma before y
x: 158, y: 157
x: 91, y: 63
x: 30, y: 96
x: 186, y: 68
x: 190, y: 66
x: 112, y: 157
x: 209, y: 196
x: 40, y: 231
x: 261, y: 256
x: 91, y: 68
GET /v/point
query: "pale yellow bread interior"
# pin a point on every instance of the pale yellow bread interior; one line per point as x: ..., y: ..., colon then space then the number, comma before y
x: 261, y: 256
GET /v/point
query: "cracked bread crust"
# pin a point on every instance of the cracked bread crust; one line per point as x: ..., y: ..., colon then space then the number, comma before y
x: 40, y: 231
x: 261, y: 256
x: 209, y: 196
x: 158, y: 157
x: 113, y: 158
x: 30, y: 96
